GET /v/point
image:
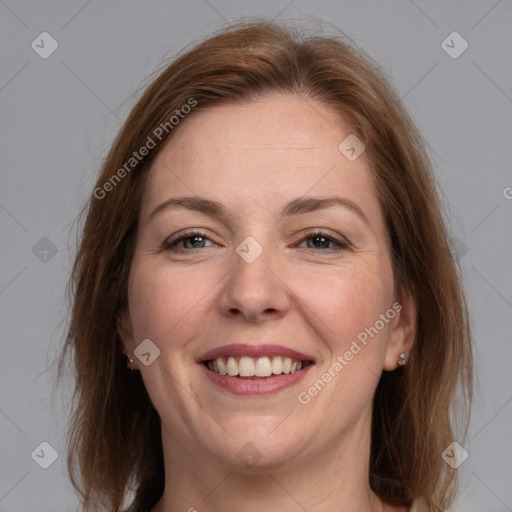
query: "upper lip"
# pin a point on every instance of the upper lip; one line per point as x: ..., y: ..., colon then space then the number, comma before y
x: 253, y: 351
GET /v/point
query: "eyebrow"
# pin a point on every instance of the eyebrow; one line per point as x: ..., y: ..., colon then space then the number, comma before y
x: 297, y: 206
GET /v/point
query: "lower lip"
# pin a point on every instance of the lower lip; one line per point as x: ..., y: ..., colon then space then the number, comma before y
x: 262, y: 386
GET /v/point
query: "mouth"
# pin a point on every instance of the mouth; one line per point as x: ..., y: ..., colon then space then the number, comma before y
x: 255, y: 369
x: 247, y: 367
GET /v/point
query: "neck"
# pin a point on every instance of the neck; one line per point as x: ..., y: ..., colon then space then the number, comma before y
x: 336, y: 478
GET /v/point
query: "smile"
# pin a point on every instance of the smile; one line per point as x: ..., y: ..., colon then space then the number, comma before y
x: 255, y: 367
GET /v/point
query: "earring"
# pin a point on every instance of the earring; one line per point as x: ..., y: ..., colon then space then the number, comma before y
x: 129, y: 359
x: 404, y: 357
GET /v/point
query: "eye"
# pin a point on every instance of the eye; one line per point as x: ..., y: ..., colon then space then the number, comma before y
x: 191, y: 239
x: 321, y: 240
x: 187, y: 241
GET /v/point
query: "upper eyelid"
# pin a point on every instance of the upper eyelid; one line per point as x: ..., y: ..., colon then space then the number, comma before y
x: 185, y: 234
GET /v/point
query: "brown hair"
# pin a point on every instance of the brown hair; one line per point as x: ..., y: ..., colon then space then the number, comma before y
x: 114, y: 440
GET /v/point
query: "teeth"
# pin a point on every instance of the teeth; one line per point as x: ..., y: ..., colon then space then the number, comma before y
x: 232, y: 366
x: 223, y: 369
x: 263, y: 367
x: 277, y: 365
x: 246, y: 366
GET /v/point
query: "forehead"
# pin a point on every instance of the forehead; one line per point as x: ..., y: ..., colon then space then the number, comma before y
x: 261, y: 153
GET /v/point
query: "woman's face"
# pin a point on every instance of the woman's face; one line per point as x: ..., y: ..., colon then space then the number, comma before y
x: 264, y: 274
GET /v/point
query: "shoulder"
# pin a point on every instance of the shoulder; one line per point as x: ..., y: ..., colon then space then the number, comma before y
x: 419, y: 505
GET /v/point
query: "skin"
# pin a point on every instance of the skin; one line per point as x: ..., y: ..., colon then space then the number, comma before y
x: 254, y: 158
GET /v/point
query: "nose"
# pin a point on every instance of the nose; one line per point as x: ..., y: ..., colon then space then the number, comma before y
x: 255, y: 291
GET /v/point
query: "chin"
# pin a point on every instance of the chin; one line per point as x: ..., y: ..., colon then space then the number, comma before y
x: 258, y: 444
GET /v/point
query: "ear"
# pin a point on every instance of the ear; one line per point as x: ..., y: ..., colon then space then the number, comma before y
x: 125, y: 331
x: 402, y: 329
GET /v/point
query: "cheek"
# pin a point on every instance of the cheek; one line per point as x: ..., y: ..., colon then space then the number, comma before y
x: 163, y: 302
x: 170, y: 304
x: 347, y: 303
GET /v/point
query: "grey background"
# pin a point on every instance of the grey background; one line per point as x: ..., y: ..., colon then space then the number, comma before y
x: 59, y: 115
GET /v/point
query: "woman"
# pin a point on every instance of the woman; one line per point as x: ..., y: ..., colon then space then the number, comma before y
x: 266, y: 314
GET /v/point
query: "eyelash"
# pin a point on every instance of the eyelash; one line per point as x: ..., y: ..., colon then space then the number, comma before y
x: 171, y: 245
